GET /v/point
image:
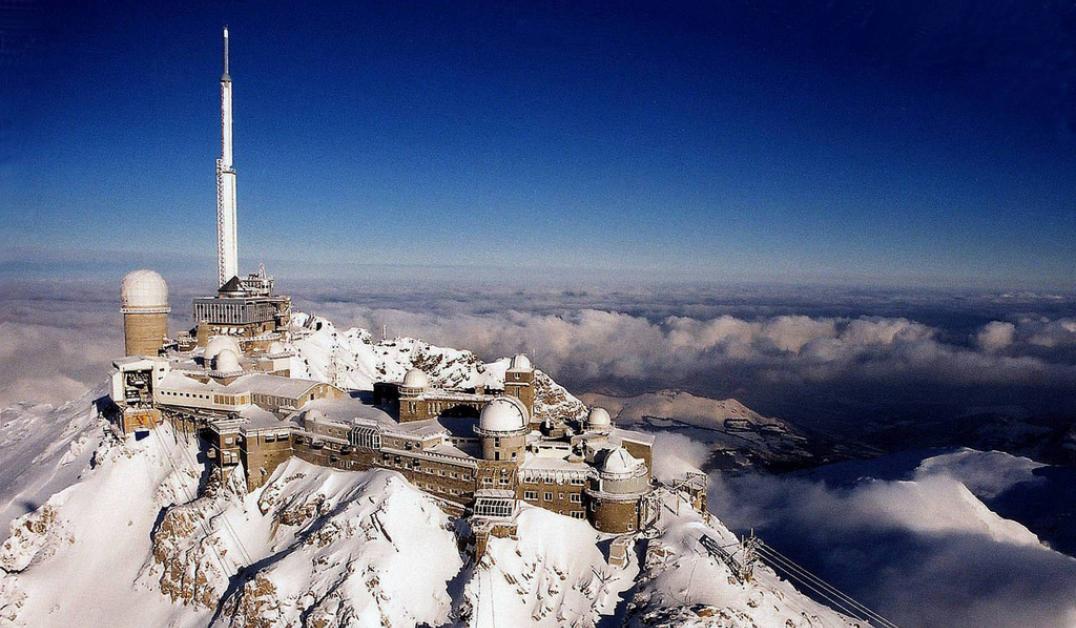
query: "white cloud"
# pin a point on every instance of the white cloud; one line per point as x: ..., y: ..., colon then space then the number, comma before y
x: 996, y: 335
x: 923, y: 553
x: 676, y: 454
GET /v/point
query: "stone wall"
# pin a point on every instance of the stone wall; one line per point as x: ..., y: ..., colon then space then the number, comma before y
x: 614, y: 516
x: 143, y: 334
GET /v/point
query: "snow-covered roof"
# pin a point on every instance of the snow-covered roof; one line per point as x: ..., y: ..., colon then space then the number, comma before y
x: 137, y: 361
x: 503, y: 414
x: 176, y: 380
x: 644, y: 438
x: 217, y: 344
x: 448, y: 449
x: 416, y: 378
x: 258, y: 418
x: 143, y: 289
x: 226, y: 361
x: 551, y: 463
x: 347, y: 410
x: 619, y: 462
x: 599, y: 417
x: 520, y: 363
x: 265, y: 384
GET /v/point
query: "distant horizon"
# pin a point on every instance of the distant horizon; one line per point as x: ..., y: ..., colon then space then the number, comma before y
x: 111, y: 265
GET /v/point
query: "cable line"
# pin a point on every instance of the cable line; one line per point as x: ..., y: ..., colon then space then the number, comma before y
x: 841, y: 600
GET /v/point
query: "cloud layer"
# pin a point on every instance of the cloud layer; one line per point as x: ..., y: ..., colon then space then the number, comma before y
x: 923, y: 553
x: 788, y: 352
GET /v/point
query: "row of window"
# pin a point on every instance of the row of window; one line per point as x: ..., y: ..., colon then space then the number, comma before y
x: 224, y: 400
x: 575, y: 498
x: 427, y: 486
x: 240, y: 313
x: 172, y: 393
x: 576, y: 480
x: 487, y: 482
x: 413, y: 465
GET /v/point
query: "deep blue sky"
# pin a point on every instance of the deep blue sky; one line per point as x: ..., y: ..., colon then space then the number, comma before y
x: 892, y: 142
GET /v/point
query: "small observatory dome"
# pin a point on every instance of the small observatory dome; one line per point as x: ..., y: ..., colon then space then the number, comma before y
x: 227, y: 361
x: 618, y: 462
x: 143, y: 289
x: 217, y: 344
x: 503, y: 414
x: 520, y: 363
x: 598, y: 418
x: 416, y: 378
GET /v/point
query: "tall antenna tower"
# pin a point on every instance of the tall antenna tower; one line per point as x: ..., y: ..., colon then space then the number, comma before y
x: 227, y: 238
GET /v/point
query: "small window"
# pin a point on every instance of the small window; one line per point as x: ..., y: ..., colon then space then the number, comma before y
x: 548, y: 496
x: 577, y: 514
x: 576, y: 498
x: 532, y: 495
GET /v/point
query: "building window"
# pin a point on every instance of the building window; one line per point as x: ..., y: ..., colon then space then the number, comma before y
x: 365, y: 437
x: 531, y: 495
x: 548, y: 496
x: 494, y: 506
x: 576, y: 498
x: 577, y: 514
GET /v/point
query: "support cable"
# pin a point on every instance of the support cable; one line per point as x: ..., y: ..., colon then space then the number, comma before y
x: 820, y: 586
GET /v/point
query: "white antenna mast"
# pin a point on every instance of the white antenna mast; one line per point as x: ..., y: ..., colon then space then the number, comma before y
x: 227, y: 238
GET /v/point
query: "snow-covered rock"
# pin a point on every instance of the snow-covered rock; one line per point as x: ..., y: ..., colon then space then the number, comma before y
x: 353, y: 359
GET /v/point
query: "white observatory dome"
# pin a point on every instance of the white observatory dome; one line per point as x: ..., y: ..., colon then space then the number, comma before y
x: 619, y: 462
x: 503, y: 414
x: 598, y: 417
x: 415, y: 378
x: 217, y: 344
x: 143, y: 289
x: 227, y: 361
x: 520, y: 363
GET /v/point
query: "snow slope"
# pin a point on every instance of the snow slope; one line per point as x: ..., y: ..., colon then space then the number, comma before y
x: 354, y: 359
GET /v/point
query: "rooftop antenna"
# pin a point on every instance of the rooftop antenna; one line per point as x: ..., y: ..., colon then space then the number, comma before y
x: 225, y: 77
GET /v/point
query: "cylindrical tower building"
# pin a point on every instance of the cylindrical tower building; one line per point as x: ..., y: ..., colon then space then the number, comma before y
x: 617, y: 491
x: 144, y: 303
x: 503, y: 427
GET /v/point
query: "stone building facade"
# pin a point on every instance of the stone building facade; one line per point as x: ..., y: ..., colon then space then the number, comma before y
x: 480, y: 451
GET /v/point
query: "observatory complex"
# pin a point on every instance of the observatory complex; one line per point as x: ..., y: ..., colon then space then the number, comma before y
x: 477, y: 451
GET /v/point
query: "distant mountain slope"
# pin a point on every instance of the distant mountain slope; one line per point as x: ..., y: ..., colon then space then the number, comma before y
x: 738, y: 437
